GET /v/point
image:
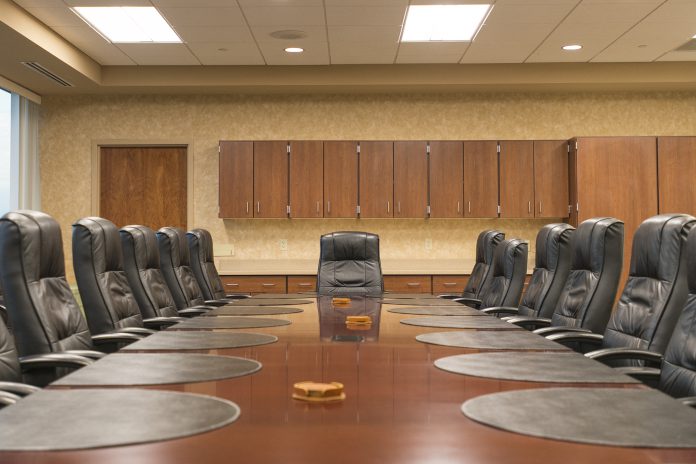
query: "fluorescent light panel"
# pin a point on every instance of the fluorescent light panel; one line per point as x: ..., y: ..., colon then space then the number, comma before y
x: 128, y: 24
x: 444, y: 23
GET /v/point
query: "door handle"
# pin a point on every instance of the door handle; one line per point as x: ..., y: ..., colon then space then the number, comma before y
x: 247, y: 207
x: 398, y: 207
x: 258, y: 206
x: 529, y: 207
x: 328, y: 207
x: 469, y: 207
x: 540, y: 209
x: 458, y: 207
x: 387, y: 206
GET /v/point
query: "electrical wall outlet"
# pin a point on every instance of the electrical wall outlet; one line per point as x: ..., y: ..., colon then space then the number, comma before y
x: 428, y: 244
x: 283, y: 243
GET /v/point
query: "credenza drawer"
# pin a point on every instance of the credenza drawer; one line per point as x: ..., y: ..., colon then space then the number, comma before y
x: 254, y: 284
x: 299, y: 284
x: 449, y: 283
x: 407, y: 284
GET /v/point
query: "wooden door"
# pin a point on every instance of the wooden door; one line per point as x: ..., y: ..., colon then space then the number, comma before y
x: 376, y: 192
x: 517, y: 179
x: 143, y: 185
x: 551, y: 178
x: 481, y: 179
x: 617, y: 177
x: 573, y: 182
x: 410, y: 179
x: 340, y: 179
x: 307, y: 179
x: 270, y: 179
x: 676, y: 157
x: 236, y: 190
x: 446, y: 179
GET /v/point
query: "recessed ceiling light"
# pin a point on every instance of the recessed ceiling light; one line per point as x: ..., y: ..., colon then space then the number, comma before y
x: 128, y: 24
x: 572, y: 47
x: 426, y: 23
x: 294, y: 50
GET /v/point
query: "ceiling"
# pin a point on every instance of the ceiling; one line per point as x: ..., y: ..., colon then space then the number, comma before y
x: 356, y: 34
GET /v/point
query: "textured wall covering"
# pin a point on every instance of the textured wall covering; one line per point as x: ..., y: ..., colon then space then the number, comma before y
x: 69, y: 124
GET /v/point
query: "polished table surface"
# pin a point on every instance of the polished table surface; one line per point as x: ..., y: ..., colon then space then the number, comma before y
x: 399, y: 407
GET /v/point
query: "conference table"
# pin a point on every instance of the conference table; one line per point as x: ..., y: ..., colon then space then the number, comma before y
x: 399, y: 408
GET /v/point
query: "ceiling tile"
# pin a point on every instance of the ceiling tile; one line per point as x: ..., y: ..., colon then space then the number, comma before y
x: 263, y: 34
x: 523, y: 13
x: 500, y: 43
x: 232, y: 54
x: 434, y: 48
x: 62, y: 16
x: 364, y: 15
x: 286, y: 17
x: 203, y: 17
x: 36, y: 3
x: 678, y: 56
x: 363, y: 52
x: 647, y: 42
x: 197, y: 34
x: 401, y: 3
x: 606, y: 12
x: 245, y: 3
x: 674, y: 10
x: 374, y: 34
x: 427, y: 58
x: 107, y: 2
x: 159, y: 54
x: 190, y: 3
x: 316, y: 53
x: 94, y: 45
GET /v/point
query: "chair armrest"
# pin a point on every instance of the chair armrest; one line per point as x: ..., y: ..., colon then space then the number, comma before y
x: 113, y: 341
x: 90, y: 354
x: 569, y: 338
x: 688, y: 401
x: 203, y: 307
x: 472, y: 302
x: 498, y: 310
x: 449, y: 296
x: 610, y: 354
x: 65, y: 359
x: 136, y: 330
x: 529, y: 323
x: 647, y: 375
x: 8, y: 399
x: 158, y: 323
x: 237, y: 296
x: 191, y: 312
x: 20, y: 389
x: 546, y: 331
x: 216, y: 303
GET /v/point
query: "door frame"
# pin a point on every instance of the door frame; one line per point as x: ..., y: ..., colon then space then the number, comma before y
x: 96, y: 166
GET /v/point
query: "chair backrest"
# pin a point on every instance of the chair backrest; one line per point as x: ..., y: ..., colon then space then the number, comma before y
x: 596, y: 260
x: 43, y: 312
x: 656, y: 289
x: 142, y: 265
x: 551, y: 268
x: 174, y: 262
x: 504, y: 286
x: 486, y: 243
x: 10, y: 371
x: 200, y: 245
x: 349, y: 264
x: 107, y: 298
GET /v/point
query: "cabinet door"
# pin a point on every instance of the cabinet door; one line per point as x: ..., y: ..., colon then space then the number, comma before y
x: 306, y: 179
x: 408, y: 283
x: 517, y: 179
x: 340, y: 179
x: 446, y: 179
x: 376, y: 192
x: 551, y: 178
x: 676, y: 157
x: 410, y: 179
x: 481, y: 179
x: 270, y: 179
x: 236, y: 191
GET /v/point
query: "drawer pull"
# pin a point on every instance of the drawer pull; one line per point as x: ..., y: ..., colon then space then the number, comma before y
x: 268, y: 285
x: 413, y: 284
x: 232, y: 285
x: 449, y: 284
x: 304, y: 284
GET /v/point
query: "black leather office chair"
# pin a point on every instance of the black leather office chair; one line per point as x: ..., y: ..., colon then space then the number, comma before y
x: 589, y: 291
x: 175, y: 264
x: 43, y: 313
x: 504, y: 285
x: 652, y: 299
x: 200, y: 245
x: 107, y: 298
x: 141, y: 262
x: 349, y: 264
x: 486, y: 243
x: 551, y: 269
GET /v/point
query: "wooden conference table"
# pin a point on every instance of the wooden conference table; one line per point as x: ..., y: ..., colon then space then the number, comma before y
x: 399, y: 408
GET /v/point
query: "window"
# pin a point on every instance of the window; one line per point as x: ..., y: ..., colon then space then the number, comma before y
x: 5, y: 142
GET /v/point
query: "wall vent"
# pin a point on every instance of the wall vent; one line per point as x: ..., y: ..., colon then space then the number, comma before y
x: 46, y: 73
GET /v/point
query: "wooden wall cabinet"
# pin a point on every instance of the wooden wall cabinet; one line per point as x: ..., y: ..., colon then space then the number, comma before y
x: 340, y: 179
x: 676, y: 158
x: 236, y: 190
x: 306, y: 179
x: 446, y: 179
x: 254, y: 284
x: 480, y: 179
x: 270, y: 179
x: 410, y: 179
x: 551, y: 178
x: 517, y: 179
x: 376, y: 191
x: 408, y: 283
x: 299, y: 284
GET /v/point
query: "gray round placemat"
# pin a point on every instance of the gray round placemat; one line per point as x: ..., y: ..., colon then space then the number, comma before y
x: 52, y: 420
x: 533, y: 367
x: 269, y: 302
x: 461, y: 322
x: 227, y: 322
x: 491, y: 340
x: 188, y: 340
x: 120, y: 369
x: 251, y: 311
x: 421, y: 302
x: 282, y: 296
x: 459, y: 310
x: 599, y: 416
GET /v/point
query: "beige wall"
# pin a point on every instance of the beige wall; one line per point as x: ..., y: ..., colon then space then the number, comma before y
x: 70, y: 125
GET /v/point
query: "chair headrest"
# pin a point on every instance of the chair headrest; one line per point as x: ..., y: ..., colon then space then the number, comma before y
x: 589, y: 240
x: 486, y: 244
x: 549, y: 241
x: 506, y: 254
x: 657, y: 245
x: 101, y: 237
x: 204, y: 240
x: 143, y: 241
x: 349, y: 246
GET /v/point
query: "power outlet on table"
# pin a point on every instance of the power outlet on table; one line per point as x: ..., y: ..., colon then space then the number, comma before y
x: 283, y: 244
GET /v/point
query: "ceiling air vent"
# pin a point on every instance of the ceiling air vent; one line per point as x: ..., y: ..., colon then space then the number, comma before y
x: 689, y: 46
x: 46, y: 73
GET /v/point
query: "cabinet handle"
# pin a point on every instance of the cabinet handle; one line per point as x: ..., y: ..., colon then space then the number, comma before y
x: 458, y: 207
x: 247, y: 207
x: 540, y: 204
x: 258, y: 206
x: 449, y: 284
x: 529, y: 207
x: 268, y: 285
x: 387, y: 206
x: 413, y: 284
x: 328, y: 207
x: 469, y: 207
x: 232, y: 285
x: 304, y: 284
x: 317, y: 207
x: 399, y: 207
